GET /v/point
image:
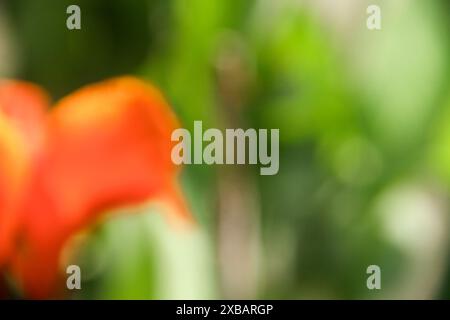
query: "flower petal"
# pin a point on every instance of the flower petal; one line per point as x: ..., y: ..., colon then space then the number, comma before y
x: 108, y: 145
x: 25, y: 105
x: 22, y: 108
x: 13, y: 166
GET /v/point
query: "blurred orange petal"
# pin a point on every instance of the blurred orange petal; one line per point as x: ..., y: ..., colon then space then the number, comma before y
x: 13, y: 166
x: 25, y: 105
x: 22, y: 110
x: 107, y: 145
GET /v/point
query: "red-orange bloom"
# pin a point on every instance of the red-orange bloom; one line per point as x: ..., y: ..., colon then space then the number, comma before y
x: 103, y: 146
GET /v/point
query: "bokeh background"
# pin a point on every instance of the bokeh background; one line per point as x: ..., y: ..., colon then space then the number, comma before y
x: 364, y: 119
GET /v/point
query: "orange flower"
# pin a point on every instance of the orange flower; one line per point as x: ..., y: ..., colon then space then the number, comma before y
x: 103, y: 146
